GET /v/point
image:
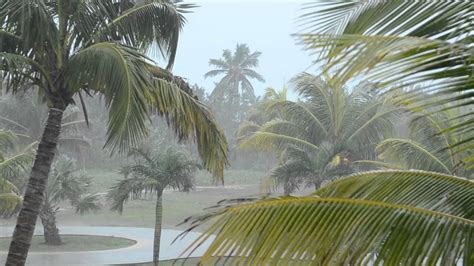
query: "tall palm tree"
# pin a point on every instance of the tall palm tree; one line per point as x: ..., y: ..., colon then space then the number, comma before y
x: 235, y: 87
x: 71, y: 48
x: 153, y: 173
x: 400, y: 44
x: 391, y: 217
x: 66, y: 182
x: 321, y: 135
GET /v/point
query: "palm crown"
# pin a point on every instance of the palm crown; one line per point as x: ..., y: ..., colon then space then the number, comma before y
x: 320, y: 135
x: 237, y: 69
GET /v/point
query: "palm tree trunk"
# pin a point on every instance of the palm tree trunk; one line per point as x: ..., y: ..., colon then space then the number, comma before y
x: 158, y: 221
x: 51, y: 232
x: 26, y: 221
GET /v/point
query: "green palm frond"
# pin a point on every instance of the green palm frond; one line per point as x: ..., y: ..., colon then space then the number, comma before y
x: 413, y: 155
x: 11, y: 167
x: 143, y: 25
x: 88, y: 203
x: 421, y: 189
x: 121, y: 74
x: 425, y: 218
x: 9, y: 203
x: 191, y: 118
x: 7, y: 141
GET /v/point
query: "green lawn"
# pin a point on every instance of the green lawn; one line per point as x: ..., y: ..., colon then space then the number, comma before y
x: 177, y: 205
x: 74, y: 243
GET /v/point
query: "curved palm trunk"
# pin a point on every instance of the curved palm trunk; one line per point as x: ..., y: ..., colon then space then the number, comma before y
x: 26, y: 221
x: 51, y: 232
x: 158, y: 221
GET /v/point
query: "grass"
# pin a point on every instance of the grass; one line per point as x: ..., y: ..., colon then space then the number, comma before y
x: 74, y: 243
x: 176, y: 205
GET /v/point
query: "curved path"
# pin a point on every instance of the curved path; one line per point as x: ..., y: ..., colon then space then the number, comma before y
x: 140, y: 252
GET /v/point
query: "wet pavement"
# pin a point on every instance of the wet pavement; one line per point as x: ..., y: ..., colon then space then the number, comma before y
x: 140, y: 252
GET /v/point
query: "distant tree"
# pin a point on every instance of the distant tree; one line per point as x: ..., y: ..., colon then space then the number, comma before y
x: 238, y: 68
x: 151, y: 174
x: 234, y: 92
x: 320, y: 136
x: 66, y: 182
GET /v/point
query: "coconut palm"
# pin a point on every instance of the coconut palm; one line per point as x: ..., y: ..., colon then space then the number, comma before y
x: 321, y: 135
x: 66, y: 182
x: 400, y: 43
x: 152, y: 174
x: 67, y: 49
x: 391, y: 217
x: 235, y: 87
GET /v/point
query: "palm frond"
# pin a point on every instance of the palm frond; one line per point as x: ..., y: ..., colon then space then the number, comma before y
x: 88, y: 203
x: 172, y: 97
x: 9, y: 203
x: 413, y: 155
x: 421, y: 189
x: 145, y: 24
x: 122, y: 75
x: 337, y: 231
x: 379, y: 217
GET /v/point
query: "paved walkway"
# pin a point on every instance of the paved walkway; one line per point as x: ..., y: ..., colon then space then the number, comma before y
x: 140, y: 252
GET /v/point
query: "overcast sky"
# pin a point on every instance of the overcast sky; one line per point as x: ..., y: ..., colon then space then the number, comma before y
x: 266, y: 26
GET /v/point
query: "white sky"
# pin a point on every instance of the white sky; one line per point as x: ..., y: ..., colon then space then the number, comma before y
x: 265, y: 26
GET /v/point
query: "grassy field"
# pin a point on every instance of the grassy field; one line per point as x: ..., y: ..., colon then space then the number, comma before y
x: 74, y: 243
x: 177, y: 205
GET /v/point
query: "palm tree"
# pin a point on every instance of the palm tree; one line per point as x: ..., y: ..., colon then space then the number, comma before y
x: 153, y: 173
x: 235, y: 87
x: 66, y: 182
x: 391, y: 217
x: 320, y: 136
x: 400, y: 44
x: 97, y: 48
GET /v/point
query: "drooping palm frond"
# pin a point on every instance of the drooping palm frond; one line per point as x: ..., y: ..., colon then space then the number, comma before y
x: 399, y: 44
x: 109, y: 65
x: 424, y: 219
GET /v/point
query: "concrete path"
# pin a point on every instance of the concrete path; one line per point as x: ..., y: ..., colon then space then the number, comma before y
x: 140, y: 252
